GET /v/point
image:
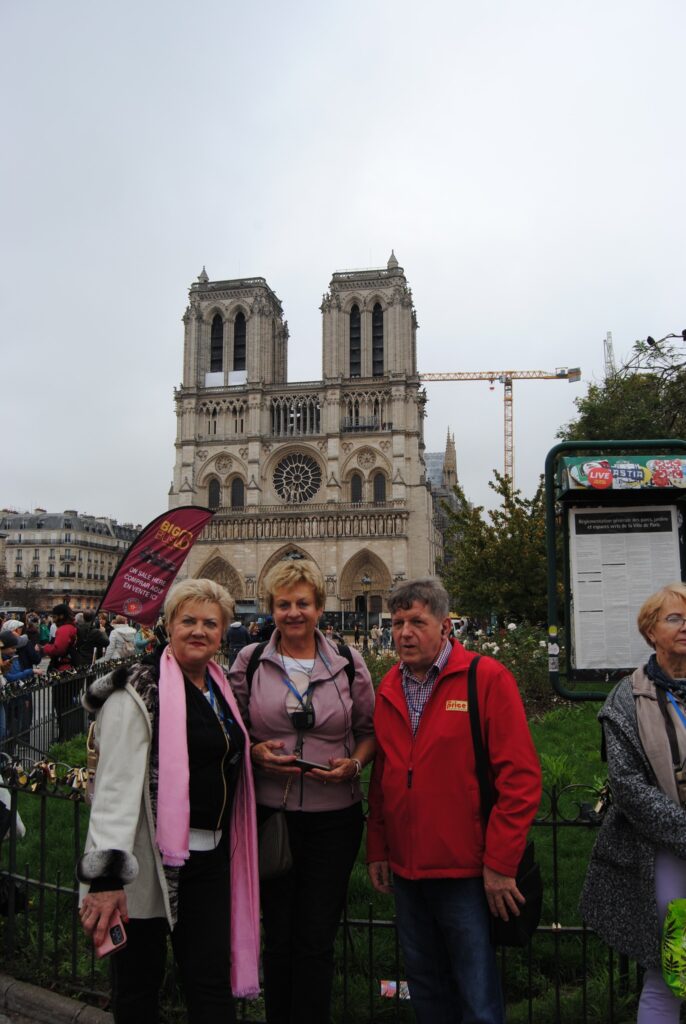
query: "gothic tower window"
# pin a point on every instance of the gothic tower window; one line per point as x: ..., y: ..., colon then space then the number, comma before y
x: 356, y: 487
x: 377, y: 341
x: 217, y: 345
x: 239, y: 342
x: 214, y: 493
x: 237, y: 493
x: 379, y: 487
x: 355, y: 342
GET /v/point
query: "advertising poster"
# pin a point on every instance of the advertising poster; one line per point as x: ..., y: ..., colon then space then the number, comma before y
x: 150, y: 566
x: 618, y: 557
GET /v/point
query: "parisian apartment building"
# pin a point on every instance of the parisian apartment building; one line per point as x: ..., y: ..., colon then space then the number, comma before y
x: 58, y: 555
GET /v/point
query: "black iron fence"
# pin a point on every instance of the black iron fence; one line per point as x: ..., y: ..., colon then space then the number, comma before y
x: 47, y: 710
x: 565, y: 976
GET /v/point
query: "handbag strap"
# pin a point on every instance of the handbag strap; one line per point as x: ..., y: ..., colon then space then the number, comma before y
x: 669, y: 725
x: 480, y: 756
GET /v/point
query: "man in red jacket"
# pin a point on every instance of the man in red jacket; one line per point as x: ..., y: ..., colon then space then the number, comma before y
x: 65, y: 694
x: 426, y: 842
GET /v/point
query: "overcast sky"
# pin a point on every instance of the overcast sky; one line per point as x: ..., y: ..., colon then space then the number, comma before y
x: 525, y: 160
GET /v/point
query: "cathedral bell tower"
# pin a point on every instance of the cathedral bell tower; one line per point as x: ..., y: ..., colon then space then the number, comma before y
x: 369, y: 325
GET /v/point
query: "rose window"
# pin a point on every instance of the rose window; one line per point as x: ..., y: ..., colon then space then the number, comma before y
x: 297, y: 478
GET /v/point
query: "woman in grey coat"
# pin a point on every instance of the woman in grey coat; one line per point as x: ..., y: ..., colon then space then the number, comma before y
x: 638, y: 863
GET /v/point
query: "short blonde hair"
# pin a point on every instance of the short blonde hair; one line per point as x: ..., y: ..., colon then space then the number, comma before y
x: 651, y: 608
x: 199, y: 590
x: 288, y: 573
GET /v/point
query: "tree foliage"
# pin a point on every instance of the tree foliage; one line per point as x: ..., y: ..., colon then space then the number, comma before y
x: 645, y: 398
x: 23, y: 592
x: 497, y: 563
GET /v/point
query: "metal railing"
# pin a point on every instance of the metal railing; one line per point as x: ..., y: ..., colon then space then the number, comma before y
x: 48, y: 710
x: 565, y: 975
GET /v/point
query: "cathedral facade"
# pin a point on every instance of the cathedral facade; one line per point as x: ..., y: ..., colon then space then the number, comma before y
x: 330, y: 470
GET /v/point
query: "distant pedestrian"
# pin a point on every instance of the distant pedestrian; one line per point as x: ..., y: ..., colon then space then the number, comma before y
x: 237, y: 637
x: 122, y: 640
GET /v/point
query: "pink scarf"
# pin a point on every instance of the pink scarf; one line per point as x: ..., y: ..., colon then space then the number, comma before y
x: 173, y: 819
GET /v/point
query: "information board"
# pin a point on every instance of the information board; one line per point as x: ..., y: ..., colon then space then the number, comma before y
x: 618, y: 558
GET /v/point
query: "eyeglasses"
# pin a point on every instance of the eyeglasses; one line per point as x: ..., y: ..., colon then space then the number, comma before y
x: 675, y: 620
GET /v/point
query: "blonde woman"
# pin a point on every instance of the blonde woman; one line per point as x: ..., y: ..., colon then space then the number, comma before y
x: 171, y: 843
x: 309, y: 697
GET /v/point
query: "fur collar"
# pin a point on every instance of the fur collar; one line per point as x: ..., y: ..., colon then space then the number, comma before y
x: 98, y: 690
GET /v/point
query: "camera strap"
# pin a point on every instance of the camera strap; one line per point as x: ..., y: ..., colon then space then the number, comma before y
x: 299, y: 750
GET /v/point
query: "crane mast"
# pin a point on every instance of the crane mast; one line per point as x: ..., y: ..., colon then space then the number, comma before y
x: 506, y: 378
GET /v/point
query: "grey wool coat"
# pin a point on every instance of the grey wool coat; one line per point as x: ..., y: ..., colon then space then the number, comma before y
x: 618, y: 897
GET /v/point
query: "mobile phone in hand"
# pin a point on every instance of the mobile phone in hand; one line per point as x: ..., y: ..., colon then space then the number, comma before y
x: 115, y: 938
x: 309, y: 765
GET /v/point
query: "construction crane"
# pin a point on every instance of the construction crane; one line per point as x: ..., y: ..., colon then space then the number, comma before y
x: 506, y: 378
x: 610, y: 365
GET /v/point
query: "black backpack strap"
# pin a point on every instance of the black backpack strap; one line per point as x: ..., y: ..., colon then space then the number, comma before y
x: 346, y: 653
x: 253, y: 663
x: 485, y: 787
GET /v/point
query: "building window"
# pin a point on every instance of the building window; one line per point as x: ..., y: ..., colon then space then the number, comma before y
x: 239, y: 342
x: 51, y: 571
x: 36, y: 570
x: 67, y: 538
x: 356, y: 487
x: 355, y: 342
x: 237, y: 493
x: 379, y: 487
x: 377, y: 341
x: 297, y: 478
x: 214, y: 494
x: 217, y: 345
x: 20, y: 554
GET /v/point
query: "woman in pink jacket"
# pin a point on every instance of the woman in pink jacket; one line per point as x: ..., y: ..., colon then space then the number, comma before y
x: 305, y: 699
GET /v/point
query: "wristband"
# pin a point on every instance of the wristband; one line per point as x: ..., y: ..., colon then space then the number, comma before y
x: 358, y: 767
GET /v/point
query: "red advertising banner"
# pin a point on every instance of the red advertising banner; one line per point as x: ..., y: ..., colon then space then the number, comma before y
x: 150, y: 566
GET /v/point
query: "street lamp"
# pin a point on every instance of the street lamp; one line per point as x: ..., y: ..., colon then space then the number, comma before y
x: 366, y: 587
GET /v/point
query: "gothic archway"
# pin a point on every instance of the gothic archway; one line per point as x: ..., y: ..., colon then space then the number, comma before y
x: 218, y: 569
x: 365, y: 564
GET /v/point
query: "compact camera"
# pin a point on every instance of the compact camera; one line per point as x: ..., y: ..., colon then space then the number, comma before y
x: 303, y: 718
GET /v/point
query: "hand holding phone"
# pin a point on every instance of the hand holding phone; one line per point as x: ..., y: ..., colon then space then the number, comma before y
x: 115, y: 938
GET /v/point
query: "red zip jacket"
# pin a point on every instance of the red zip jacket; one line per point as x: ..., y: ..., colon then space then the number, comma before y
x: 424, y: 807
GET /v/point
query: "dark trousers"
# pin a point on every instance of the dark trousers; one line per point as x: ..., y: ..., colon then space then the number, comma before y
x: 444, y: 932
x: 301, y: 911
x: 201, y: 942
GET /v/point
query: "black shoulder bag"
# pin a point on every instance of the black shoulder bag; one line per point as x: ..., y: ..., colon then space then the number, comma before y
x: 518, y: 930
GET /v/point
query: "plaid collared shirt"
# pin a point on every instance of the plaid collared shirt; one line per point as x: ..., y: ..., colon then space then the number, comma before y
x: 417, y: 691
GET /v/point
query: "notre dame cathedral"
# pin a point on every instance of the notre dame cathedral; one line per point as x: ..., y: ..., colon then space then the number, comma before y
x: 331, y: 470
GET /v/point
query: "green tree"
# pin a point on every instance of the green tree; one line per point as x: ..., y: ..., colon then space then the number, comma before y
x: 497, y: 562
x: 645, y: 398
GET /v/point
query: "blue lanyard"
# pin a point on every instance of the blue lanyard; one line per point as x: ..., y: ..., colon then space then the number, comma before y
x: 301, y: 697
x: 225, y: 719
x: 672, y: 701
